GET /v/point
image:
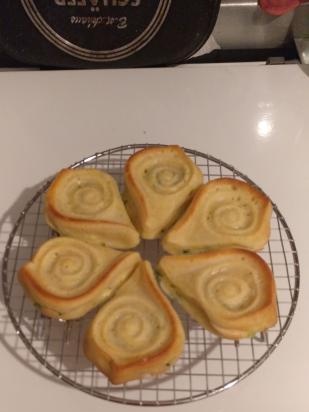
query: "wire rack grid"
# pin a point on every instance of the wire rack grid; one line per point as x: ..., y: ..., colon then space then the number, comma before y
x: 208, y: 364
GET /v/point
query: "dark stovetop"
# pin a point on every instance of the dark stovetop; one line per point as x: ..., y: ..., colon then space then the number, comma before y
x: 217, y: 56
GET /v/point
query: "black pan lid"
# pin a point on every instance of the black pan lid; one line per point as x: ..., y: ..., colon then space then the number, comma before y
x: 105, y: 33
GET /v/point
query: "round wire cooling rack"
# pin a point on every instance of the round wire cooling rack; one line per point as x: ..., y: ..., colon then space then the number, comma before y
x: 208, y: 364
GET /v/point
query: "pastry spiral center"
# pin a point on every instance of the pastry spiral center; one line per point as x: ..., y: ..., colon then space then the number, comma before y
x: 129, y: 327
x: 89, y: 198
x: 232, y: 218
x: 67, y: 271
x: 230, y: 290
x: 233, y: 289
x: 168, y: 178
x: 68, y: 265
x: 234, y: 294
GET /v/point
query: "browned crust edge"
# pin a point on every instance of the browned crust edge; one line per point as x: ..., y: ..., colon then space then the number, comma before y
x: 122, y: 373
x: 270, y: 302
x: 202, y: 190
x: 52, y: 212
x: 130, y: 183
x: 27, y: 280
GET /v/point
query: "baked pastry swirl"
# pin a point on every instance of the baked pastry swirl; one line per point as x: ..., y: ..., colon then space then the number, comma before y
x: 224, y: 212
x: 231, y: 292
x: 86, y: 204
x: 137, y: 332
x: 160, y: 182
x: 67, y: 277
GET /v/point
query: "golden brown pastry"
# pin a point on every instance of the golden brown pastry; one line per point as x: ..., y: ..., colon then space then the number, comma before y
x: 160, y: 182
x: 223, y: 213
x: 67, y: 277
x: 86, y: 204
x: 231, y: 292
x: 137, y: 332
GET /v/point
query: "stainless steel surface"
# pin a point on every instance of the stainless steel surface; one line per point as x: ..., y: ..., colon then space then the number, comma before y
x: 302, y: 46
x: 301, y: 21
x: 208, y: 364
x: 301, y: 32
x: 242, y: 24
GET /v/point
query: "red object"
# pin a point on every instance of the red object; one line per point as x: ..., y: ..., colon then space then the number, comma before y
x: 279, y: 7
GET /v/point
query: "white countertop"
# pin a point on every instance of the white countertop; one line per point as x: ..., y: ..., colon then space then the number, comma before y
x: 252, y: 116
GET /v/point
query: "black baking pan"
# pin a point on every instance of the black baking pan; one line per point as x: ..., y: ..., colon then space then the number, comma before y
x: 105, y: 33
